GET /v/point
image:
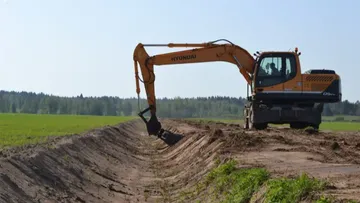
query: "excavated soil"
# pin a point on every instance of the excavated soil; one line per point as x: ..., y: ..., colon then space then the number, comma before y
x: 123, y: 164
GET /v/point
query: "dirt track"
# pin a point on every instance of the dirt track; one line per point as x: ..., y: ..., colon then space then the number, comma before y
x: 124, y: 164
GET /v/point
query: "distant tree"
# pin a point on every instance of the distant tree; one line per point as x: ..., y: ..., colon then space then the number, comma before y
x: 13, y: 108
x: 201, y: 107
x: 127, y: 108
x: 97, y: 108
x: 53, y: 105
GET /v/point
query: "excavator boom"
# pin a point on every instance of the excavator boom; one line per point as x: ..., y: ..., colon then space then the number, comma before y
x: 201, y: 52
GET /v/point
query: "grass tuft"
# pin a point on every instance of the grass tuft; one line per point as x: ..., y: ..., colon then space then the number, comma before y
x: 226, y: 183
x: 292, y: 190
x: 324, y: 199
x: 235, y: 185
x: 331, y: 199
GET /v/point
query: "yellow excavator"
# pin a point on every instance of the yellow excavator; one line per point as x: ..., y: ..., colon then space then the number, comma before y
x: 279, y: 92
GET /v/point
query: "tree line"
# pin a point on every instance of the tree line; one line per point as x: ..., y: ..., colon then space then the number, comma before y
x: 198, y: 107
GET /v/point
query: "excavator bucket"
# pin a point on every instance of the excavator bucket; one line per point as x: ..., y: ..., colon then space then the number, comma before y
x: 153, y: 126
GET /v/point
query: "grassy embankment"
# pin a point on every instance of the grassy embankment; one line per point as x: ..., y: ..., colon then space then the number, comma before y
x: 226, y: 183
x: 19, y: 129
x: 329, y: 123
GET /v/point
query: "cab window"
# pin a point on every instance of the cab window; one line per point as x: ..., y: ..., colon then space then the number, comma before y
x: 290, y: 68
x: 275, y: 69
x: 270, y: 66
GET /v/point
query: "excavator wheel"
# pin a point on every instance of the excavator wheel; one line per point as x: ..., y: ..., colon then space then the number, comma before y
x: 246, y: 119
x: 260, y: 126
x: 246, y: 123
x: 250, y: 121
x: 298, y: 125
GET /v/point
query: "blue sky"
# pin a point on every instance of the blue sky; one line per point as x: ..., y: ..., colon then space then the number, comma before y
x: 68, y: 47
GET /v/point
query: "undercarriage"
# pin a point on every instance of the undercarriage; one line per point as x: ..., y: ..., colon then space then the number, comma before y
x: 259, y: 115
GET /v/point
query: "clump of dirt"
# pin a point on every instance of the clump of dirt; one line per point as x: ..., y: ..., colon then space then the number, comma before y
x: 242, y: 141
x: 216, y: 134
x: 311, y: 131
x: 335, y: 146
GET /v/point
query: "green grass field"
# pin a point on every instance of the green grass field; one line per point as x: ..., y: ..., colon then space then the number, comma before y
x: 341, y: 118
x: 19, y: 129
x: 340, y: 126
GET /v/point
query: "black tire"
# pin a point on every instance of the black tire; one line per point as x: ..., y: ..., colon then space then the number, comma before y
x: 320, y: 107
x: 298, y: 125
x: 260, y: 126
x: 252, y: 125
x: 246, y: 119
x: 251, y: 119
x: 316, y: 127
x: 246, y: 123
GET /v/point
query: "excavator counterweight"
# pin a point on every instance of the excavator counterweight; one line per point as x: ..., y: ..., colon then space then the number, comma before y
x: 274, y: 77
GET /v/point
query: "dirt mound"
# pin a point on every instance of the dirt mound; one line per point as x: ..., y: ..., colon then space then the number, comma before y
x: 124, y: 164
x: 113, y: 164
x: 103, y: 165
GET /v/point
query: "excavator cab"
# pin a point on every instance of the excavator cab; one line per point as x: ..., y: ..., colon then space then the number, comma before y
x: 275, y: 73
x: 282, y: 94
x: 273, y: 69
x: 278, y: 78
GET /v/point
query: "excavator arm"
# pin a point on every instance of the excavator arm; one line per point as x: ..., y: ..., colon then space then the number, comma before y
x: 202, y: 52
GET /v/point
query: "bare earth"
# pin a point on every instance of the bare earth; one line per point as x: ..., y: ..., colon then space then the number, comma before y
x: 124, y: 164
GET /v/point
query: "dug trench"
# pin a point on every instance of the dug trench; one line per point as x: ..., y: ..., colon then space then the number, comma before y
x: 123, y: 164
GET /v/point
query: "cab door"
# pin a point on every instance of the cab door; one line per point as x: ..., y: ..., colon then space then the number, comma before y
x: 292, y: 80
